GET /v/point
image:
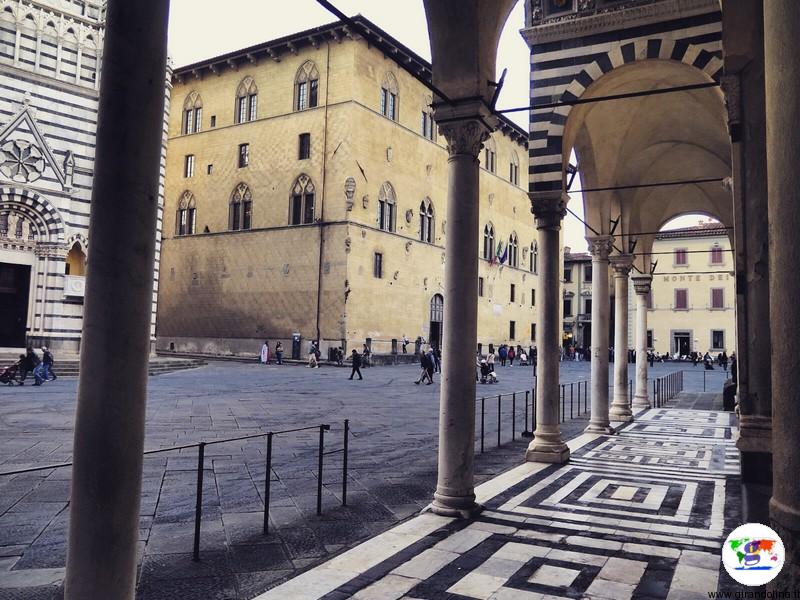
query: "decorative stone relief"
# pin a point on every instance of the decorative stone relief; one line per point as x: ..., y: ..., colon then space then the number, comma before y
x: 396, y: 275
x: 349, y: 192
x: 347, y: 243
x: 585, y: 4
x: 363, y: 234
x: 491, y: 199
x: 69, y: 169
x: 286, y: 269
x: 365, y: 201
x: 428, y: 169
x: 425, y: 283
x: 442, y: 257
x: 408, y: 247
x: 21, y: 161
x: 389, y: 154
x: 464, y: 137
x: 409, y: 215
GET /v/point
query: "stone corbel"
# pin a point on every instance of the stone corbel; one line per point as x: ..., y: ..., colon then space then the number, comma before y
x: 732, y: 91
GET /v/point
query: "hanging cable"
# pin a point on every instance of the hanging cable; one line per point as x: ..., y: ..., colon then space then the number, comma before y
x: 649, y: 185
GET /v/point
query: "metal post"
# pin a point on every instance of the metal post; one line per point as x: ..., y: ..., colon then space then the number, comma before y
x: 571, y: 398
x: 483, y: 419
x: 704, y: 378
x: 198, y: 510
x: 322, y: 429
x: 579, y: 398
x: 344, y: 461
x: 585, y: 396
x: 514, y: 416
x: 533, y: 411
x: 267, y: 482
x: 499, y: 417
x: 527, y: 433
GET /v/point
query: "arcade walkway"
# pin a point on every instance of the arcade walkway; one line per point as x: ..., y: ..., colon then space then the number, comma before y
x: 640, y: 514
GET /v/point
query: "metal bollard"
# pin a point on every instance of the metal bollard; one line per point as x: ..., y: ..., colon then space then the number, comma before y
x: 514, y: 416
x: 483, y: 419
x: 198, y: 511
x: 344, y: 461
x: 499, y: 417
x: 579, y: 398
x: 267, y: 482
x: 322, y: 429
x: 571, y: 398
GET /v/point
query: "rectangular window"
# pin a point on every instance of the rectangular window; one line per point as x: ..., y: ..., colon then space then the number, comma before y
x: 717, y: 339
x: 567, y: 307
x: 392, y: 107
x: 252, y: 109
x: 213, y: 120
x: 717, y: 298
x: 568, y: 275
x: 533, y: 332
x: 241, y: 112
x: 717, y: 257
x: 297, y: 209
x: 247, y: 214
x: 377, y: 267
x: 188, y: 165
x: 198, y: 119
x: 244, y: 155
x: 650, y: 338
x: 513, y: 292
x: 304, y: 143
x: 587, y: 306
x: 480, y: 287
x: 681, y: 256
x: 236, y: 216
x: 384, y: 100
x: 587, y: 273
x: 188, y: 121
x: 313, y: 93
x: 512, y: 330
x: 308, y: 213
x: 682, y: 299
x: 302, y: 96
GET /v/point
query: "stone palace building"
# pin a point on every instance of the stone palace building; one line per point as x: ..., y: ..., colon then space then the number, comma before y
x: 305, y: 195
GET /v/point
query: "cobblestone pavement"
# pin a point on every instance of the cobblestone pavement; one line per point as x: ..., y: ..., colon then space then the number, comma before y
x: 640, y: 514
x: 392, y: 470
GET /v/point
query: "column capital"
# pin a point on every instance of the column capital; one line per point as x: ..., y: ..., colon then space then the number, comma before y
x: 549, y: 208
x: 465, y: 124
x: 600, y: 246
x: 621, y: 263
x: 641, y: 283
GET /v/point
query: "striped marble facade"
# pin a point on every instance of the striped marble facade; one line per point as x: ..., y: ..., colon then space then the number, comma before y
x: 574, y: 47
x: 50, y: 53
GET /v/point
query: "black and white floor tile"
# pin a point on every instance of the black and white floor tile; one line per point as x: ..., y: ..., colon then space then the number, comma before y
x: 640, y: 514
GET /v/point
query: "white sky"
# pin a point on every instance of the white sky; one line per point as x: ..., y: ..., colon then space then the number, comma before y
x: 201, y: 29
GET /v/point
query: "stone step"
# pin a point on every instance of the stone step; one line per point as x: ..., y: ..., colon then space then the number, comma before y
x: 158, y: 366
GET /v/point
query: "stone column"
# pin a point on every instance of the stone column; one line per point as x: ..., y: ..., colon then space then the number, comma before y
x: 641, y: 284
x: 743, y: 85
x: 454, y: 494
x: 600, y: 247
x: 782, y: 74
x: 110, y: 419
x: 547, y: 444
x: 620, y: 407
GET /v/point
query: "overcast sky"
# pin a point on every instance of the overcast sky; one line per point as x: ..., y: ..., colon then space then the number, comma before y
x: 202, y: 29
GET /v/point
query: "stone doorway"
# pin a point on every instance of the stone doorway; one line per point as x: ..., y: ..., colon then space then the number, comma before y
x: 14, y: 290
x: 437, y: 317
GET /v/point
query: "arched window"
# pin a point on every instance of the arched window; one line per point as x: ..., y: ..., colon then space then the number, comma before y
x: 488, y: 241
x: 390, y: 97
x: 428, y: 129
x: 513, y: 250
x: 246, y: 101
x: 513, y: 169
x: 76, y: 261
x: 534, y: 258
x: 306, y: 86
x: 426, y: 221
x: 186, y: 217
x: 192, y: 113
x: 240, y: 213
x: 301, y: 210
x: 490, y: 155
x: 387, y: 203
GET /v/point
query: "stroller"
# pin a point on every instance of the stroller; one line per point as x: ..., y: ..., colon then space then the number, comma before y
x: 487, y: 374
x: 9, y: 374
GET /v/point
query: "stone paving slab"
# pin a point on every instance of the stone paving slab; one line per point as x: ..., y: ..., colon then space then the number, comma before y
x: 391, y: 477
x: 505, y: 554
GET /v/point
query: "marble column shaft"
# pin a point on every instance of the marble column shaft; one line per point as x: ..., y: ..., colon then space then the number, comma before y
x: 641, y: 284
x: 620, y: 406
x: 782, y: 78
x: 547, y: 444
x: 600, y: 247
x: 115, y: 344
x: 454, y: 494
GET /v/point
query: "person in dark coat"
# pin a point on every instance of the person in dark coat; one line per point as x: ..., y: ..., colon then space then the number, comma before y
x: 431, y: 364
x: 29, y: 363
x: 356, y: 364
x: 423, y: 368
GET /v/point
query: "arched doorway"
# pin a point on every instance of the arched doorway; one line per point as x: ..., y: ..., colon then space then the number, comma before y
x: 436, y: 320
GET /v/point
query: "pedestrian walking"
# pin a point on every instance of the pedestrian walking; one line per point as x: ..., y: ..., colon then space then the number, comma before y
x: 431, y: 364
x: 502, y: 353
x: 265, y: 353
x: 356, y: 365
x: 490, y: 358
x: 405, y: 343
x: 366, y: 356
x: 424, y: 372
x: 339, y: 356
x: 511, y: 356
x: 313, y: 361
x: 734, y: 368
x: 651, y: 358
x: 29, y: 362
x: 279, y: 353
x: 437, y: 359
x: 44, y: 371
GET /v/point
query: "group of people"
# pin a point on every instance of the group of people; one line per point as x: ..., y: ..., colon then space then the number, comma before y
x: 30, y: 363
x: 266, y: 354
x: 430, y: 362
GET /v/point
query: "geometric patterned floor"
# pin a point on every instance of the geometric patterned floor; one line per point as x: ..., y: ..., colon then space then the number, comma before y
x: 638, y: 514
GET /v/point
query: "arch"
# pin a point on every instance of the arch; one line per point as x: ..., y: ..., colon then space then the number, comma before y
x: 48, y: 223
x: 387, y: 207
x: 546, y: 150
x: 426, y: 230
x: 246, y: 100
x: 488, y: 241
x: 76, y: 261
x: 192, y: 113
x: 306, y: 86
x: 390, y: 97
x: 301, y: 201
x: 513, y: 250
x: 240, y: 208
x: 437, y: 308
x: 186, y: 215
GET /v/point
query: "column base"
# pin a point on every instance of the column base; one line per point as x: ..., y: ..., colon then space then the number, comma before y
x: 547, y: 453
x: 786, y: 523
x: 604, y: 428
x: 641, y: 403
x: 459, y: 507
x: 620, y: 412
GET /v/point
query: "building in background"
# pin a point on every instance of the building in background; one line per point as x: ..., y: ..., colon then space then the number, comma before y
x: 306, y: 188
x: 577, y: 304
x: 692, y: 300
